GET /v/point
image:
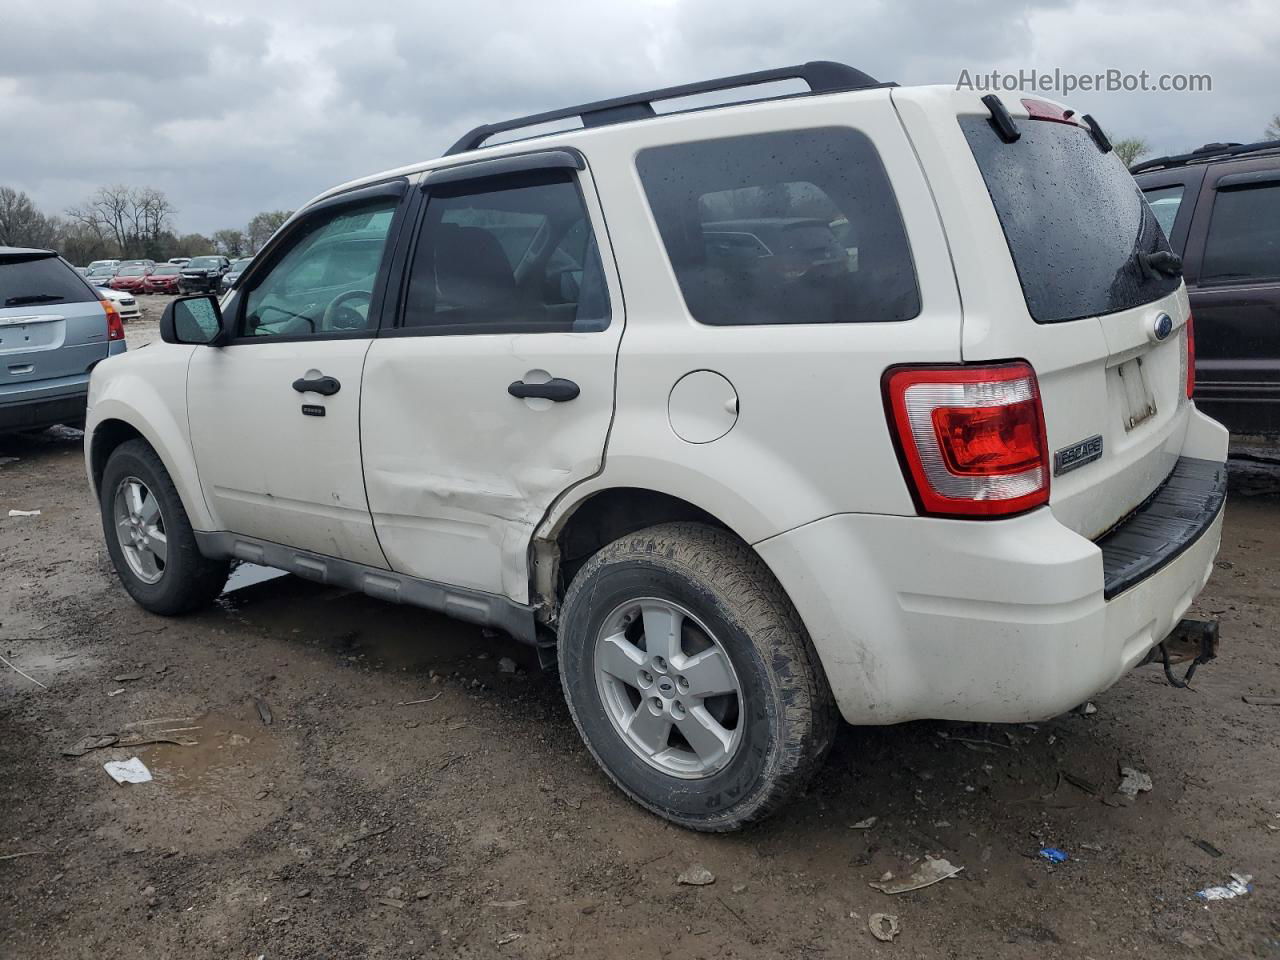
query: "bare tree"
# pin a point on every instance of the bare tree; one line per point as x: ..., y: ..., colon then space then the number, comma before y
x: 229, y: 242
x: 1273, y: 129
x: 1130, y: 149
x: 263, y: 225
x: 134, y: 219
x: 21, y: 224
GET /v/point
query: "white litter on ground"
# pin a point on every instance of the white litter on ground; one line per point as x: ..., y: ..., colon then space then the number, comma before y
x: 24, y: 513
x: 1237, y: 887
x: 132, y: 770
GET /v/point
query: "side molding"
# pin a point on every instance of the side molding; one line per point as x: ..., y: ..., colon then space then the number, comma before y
x: 474, y: 606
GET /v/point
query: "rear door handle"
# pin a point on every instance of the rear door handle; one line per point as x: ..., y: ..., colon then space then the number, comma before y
x: 555, y: 389
x: 325, y: 386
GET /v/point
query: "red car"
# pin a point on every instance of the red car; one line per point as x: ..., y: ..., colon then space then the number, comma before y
x: 131, y: 278
x: 164, y: 279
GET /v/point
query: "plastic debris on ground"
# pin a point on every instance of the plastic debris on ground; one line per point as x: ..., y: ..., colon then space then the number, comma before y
x: 24, y: 513
x: 866, y: 824
x: 1054, y: 855
x: 1132, y: 783
x: 884, y: 926
x: 132, y: 770
x: 696, y: 876
x: 930, y: 872
x: 1239, y: 885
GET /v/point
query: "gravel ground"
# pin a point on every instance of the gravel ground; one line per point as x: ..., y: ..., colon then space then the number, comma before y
x: 409, y: 799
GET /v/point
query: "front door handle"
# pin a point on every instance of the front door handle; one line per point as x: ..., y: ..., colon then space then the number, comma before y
x: 555, y: 389
x: 325, y: 386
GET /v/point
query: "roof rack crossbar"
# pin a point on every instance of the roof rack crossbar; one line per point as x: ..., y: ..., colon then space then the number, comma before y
x: 1210, y: 151
x: 822, y: 76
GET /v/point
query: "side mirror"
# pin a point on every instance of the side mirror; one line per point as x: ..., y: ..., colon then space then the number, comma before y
x: 193, y: 320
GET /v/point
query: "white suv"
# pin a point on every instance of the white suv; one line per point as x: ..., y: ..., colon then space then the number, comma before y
x: 865, y: 401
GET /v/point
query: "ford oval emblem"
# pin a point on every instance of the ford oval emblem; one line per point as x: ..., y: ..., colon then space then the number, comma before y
x: 1162, y: 327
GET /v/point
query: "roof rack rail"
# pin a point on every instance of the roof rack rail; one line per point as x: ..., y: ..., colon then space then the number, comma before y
x: 823, y: 76
x: 1210, y: 151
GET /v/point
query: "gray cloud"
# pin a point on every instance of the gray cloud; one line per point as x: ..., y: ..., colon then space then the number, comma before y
x: 242, y: 105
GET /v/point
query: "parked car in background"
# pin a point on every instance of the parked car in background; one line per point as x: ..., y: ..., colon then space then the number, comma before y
x: 54, y: 329
x: 1220, y: 206
x: 231, y: 276
x: 131, y: 277
x: 163, y: 279
x: 125, y: 302
x: 101, y: 276
x: 204, y: 274
x: 83, y: 271
x: 136, y: 263
x: 964, y: 480
x: 180, y: 261
x: 93, y: 264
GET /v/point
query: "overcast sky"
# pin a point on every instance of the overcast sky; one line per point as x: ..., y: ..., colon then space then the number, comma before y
x: 237, y: 106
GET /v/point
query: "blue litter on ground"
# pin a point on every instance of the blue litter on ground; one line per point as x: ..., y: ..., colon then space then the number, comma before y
x: 1054, y: 855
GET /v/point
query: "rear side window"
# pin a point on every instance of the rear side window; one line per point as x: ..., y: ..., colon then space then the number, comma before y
x: 1164, y: 202
x: 1243, y: 242
x: 1073, y: 217
x: 43, y: 280
x: 789, y: 227
x: 511, y: 254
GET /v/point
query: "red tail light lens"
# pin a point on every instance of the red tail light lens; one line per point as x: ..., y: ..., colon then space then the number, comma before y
x: 1191, y: 357
x: 972, y: 438
x: 115, y: 326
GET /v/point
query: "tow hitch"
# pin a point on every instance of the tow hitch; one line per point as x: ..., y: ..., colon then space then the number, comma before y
x: 1194, y: 640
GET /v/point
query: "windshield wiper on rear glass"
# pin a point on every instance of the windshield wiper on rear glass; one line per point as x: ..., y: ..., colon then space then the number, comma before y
x: 34, y: 298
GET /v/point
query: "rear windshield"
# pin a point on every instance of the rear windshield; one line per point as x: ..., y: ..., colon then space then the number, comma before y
x: 792, y: 227
x: 1073, y: 217
x: 41, y: 281
x: 204, y: 263
x: 167, y: 270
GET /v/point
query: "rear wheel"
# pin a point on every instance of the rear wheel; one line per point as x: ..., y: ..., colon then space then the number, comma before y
x: 149, y: 537
x: 691, y: 678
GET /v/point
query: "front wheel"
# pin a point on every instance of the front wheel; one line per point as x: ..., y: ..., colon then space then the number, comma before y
x: 149, y: 537
x: 691, y: 678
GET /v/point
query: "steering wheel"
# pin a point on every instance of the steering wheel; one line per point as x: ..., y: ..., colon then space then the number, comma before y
x: 339, y: 316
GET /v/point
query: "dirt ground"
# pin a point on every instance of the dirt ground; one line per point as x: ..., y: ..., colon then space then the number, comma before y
x: 410, y: 799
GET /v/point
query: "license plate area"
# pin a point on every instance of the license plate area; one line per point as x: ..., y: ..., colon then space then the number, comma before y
x: 1139, y: 401
x: 16, y: 338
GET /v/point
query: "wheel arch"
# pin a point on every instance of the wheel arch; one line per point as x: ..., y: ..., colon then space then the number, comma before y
x: 114, y: 423
x: 578, y: 528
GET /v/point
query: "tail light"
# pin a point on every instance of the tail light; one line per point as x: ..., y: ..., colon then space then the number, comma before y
x: 115, y: 326
x: 972, y: 439
x: 1191, y: 356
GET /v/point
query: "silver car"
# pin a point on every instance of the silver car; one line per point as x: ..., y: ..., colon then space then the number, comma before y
x: 54, y: 329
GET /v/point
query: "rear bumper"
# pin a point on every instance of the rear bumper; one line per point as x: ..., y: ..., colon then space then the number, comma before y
x: 1003, y: 621
x: 30, y: 406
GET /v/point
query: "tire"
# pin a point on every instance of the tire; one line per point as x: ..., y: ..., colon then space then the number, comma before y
x: 185, y: 579
x: 784, y: 720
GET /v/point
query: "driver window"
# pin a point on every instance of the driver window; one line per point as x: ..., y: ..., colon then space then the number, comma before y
x: 324, y: 282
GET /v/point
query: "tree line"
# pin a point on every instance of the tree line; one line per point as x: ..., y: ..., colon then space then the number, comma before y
x: 124, y: 223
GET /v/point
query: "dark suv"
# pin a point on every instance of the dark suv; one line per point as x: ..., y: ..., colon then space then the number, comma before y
x: 1220, y: 206
x: 203, y: 274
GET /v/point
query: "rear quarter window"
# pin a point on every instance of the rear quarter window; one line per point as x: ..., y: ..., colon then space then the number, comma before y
x: 782, y: 228
x: 1074, y: 219
x: 1243, y: 243
x: 43, y: 280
